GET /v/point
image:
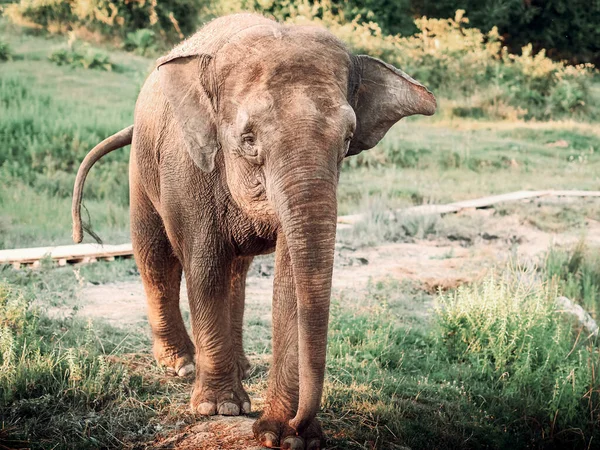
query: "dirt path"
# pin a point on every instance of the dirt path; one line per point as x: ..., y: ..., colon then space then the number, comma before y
x: 460, y: 256
x: 461, y: 253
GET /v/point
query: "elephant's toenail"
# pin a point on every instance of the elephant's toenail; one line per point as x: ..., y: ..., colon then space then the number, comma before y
x: 186, y: 370
x: 207, y: 409
x: 314, y: 444
x: 268, y: 439
x: 229, y: 409
x: 246, y: 408
x: 293, y: 443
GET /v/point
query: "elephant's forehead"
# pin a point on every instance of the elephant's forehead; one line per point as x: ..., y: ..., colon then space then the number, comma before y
x: 277, y: 49
x: 282, y: 66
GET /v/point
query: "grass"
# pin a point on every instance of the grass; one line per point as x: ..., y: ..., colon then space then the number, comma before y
x: 456, y: 160
x: 68, y: 382
x: 494, y: 366
x: 51, y: 116
x: 499, y: 369
x: 577, y: 273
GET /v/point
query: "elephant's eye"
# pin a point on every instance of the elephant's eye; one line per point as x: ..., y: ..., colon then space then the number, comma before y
x: 248, y: 138
x: 347, y: 141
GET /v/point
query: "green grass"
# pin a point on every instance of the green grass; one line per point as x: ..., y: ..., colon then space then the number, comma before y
x: 494, y: 366
x: 68, y: 382
x: 577, y: 273
x: 423, y: 161
x: 50, y: 118
x: 498, y: 369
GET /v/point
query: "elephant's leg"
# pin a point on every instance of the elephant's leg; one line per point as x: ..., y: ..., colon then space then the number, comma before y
x: 218, y: 388
x: 272, y: 429
x: 161, y: 276
x: 239, y: 270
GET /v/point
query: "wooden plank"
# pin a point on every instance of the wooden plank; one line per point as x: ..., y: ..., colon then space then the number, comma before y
x: 66, y: 252
x: 477, y: 203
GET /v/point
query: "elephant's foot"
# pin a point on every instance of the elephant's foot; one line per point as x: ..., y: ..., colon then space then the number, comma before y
x: 275, y: 433
x: 226, y: 401
x: 178, y: 359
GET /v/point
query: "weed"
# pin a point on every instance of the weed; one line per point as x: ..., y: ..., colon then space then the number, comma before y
x: 499, y: 369
x: 577, y: 273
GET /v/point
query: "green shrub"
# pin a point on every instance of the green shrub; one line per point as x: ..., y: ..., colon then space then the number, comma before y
x: 499, y: 368
x: 141, y: 41
x: 84, y: 57
x: 5, y: 52
x: 511, y: 336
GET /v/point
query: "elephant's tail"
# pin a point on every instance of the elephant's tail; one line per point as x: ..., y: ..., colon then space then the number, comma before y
x: 117, y: 140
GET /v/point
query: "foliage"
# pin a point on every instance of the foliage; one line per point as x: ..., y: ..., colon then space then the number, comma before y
x: 510, y: 335
x: 499, y: 369
x: 141, y: 41
x: 172, y: 20
x: 568, y: 28
x: 463, y: 64
x: 59, y: 383
x: 577, y: 273
x: 5, y: 51
x: 82, y: 56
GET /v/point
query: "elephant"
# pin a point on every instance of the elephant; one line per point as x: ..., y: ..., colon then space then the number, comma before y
x: 238, y: 139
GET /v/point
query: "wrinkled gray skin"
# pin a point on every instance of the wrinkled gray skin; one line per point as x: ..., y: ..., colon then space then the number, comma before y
x: 237, y: 145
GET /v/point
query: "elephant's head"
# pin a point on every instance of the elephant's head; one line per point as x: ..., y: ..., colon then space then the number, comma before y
x: 283, y: 106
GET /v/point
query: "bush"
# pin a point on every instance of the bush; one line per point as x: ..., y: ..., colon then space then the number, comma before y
x: 141, y: 41
x: 465, y: 65
x: 577, y: 273
x: 84, y: 57
x: 510, y: 335
x: 112, y: 18
x: 498, y: 369
x: 5, y: 53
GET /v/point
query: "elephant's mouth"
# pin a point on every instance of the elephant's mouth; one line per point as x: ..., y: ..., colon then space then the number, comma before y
x: 253, y: 199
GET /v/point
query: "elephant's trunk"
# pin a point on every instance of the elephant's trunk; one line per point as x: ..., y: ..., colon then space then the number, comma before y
x: 305, y: 197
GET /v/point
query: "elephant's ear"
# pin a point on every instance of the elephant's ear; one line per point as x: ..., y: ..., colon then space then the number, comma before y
x: 382, y: 95
x: 185, y: 81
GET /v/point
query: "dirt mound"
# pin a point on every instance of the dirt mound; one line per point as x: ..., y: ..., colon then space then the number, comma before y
x: 213, y: 434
